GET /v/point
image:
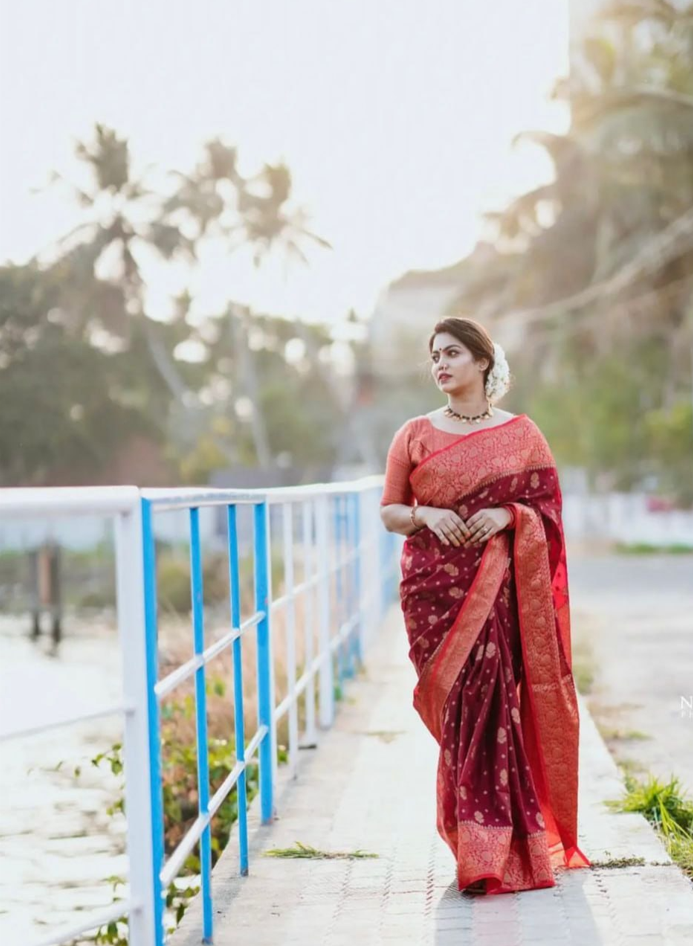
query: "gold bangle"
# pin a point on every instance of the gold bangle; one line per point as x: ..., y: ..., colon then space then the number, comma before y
x: 411, y: 516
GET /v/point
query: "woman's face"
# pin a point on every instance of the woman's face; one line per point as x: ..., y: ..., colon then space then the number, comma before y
x: 452, y: 364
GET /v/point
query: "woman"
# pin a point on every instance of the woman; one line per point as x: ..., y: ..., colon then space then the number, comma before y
x: 484, y: 593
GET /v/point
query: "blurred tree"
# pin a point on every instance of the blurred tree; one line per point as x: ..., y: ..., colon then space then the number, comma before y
x: 216, y: 202
x: 68, y: 408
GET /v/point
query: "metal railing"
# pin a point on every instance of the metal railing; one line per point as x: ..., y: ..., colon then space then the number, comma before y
x: 350, y: 576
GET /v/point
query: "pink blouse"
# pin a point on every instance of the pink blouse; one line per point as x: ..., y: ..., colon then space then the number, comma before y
x: 416, y: 439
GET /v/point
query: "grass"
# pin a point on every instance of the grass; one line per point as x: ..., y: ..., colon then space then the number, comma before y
x: 630, y: 766
x: 644, y: 548
x: 613, y: 733
x: 385, y: 735
x: 306, y: 850
x: 583, y: 666
x: 667, y: 808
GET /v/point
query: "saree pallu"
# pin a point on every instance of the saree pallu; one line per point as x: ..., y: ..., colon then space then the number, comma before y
x: 489, y: 634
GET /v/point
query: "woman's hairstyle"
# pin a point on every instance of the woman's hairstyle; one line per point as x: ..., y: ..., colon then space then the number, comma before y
x: 473, y: 335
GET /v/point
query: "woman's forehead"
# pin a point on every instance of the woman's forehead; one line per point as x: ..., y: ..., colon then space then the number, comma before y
x: 445, y: 340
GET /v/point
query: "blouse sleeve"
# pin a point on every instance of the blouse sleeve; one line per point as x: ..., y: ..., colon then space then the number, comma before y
x: 397, y: 470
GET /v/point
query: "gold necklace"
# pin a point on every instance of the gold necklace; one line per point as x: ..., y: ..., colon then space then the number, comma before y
x: 475, y: 419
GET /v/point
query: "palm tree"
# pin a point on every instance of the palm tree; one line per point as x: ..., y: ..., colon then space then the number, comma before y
x: 98, y: 263
x: 254, y: 212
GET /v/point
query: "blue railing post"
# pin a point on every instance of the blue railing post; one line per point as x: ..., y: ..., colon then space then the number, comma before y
x: 235, y: 595
x: 155, y: 780
x: 267, y: 749
x: 196, y: 592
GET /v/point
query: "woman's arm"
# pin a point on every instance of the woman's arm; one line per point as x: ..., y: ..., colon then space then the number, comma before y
x: 396, y: 517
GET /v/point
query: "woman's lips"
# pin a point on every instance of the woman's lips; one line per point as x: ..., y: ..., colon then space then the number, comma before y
x: 444, y: 377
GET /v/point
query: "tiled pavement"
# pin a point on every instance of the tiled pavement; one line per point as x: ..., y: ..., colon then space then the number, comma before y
x: 371, y: 785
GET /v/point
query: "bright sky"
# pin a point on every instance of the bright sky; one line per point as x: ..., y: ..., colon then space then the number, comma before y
x: 395, y: 117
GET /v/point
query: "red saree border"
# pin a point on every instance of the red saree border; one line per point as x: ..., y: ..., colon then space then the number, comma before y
x: 455, y: 443
x: 507, y: 863
x: 446, y: 662
x: 549, y: 715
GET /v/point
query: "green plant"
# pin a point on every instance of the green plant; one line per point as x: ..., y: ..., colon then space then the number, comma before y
x: 666, y: 806
x: 307, y: 851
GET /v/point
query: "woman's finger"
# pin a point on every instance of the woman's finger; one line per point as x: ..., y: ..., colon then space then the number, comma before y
x: 457, y: 528
x: 464, y: 528
x: 450, y: 533
x: 483, y: 528
x: 459, y: 521
x: 477, y: 529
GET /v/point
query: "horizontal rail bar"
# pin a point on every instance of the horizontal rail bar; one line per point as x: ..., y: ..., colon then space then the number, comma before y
x: 194, y: 832
x: 301, y: 684
x: 256, y: 740
x: 51, y: 501
x: 297, y: 590
x: 171, y: 498
x: 312, y: 582
x: 54, y: 501
x: 173, y: 865
x: 90, y: 922
x: 115, y: 710
x: 314, y: 666
x: 177, y: 676
x: 217, y: 799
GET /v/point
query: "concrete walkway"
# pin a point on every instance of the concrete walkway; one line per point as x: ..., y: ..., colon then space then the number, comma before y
x: 371, y: 785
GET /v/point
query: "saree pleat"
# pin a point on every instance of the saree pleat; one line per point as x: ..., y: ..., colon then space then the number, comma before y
x: 489, y: 630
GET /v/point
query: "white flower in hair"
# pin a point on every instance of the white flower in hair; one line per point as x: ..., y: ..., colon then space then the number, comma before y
x: 498, y: 380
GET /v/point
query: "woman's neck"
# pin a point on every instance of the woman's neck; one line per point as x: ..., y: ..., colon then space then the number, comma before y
x: 471, y: 404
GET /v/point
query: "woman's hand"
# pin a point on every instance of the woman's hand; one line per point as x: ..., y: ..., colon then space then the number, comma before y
x: 485, y: 523
x: 445, y: 523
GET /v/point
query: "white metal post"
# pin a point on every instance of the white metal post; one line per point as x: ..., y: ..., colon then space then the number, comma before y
x: 131, y: 632
x: 326, y: 676
x: 309, y: 558
x: 288, y: 541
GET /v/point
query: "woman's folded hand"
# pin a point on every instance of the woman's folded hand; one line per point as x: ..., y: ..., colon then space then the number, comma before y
x: 450, y: 528
x: 486, y: 522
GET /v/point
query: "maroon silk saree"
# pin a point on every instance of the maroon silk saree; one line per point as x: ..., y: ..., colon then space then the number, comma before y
x: 489, y: 634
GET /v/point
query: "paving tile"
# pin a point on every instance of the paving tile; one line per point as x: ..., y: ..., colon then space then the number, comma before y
x: 347, y: 796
